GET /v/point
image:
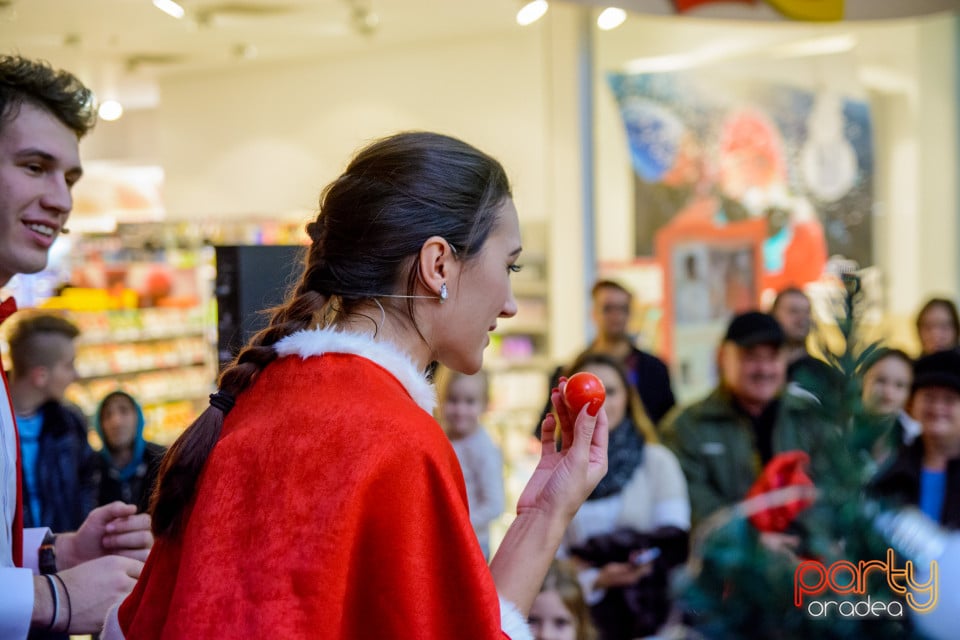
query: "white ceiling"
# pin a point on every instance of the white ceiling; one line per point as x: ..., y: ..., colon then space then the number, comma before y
x: 120, y: 47
x: 126, y: 42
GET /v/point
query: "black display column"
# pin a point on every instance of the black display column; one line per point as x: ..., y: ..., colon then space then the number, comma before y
x: 250, y: 280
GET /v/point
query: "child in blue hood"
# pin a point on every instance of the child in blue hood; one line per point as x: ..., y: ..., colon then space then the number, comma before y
x: 128, y: 463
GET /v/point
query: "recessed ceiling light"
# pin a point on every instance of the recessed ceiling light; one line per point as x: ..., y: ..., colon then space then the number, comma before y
x: 531, y: 12
x: 110, y: 110
x: 169, y: 7
x: 611, y: 18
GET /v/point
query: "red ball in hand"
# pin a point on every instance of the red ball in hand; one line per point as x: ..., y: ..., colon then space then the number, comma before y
x: 584, y: 389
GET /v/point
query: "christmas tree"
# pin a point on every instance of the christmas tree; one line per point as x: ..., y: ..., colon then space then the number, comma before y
x: 835, y: 583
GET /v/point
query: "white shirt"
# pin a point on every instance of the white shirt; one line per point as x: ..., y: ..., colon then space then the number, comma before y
x: 482, y: 467
x: 656, y: 496
x: 16, y: 585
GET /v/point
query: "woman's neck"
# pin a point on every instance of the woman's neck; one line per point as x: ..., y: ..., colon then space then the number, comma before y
x: 383, y: 326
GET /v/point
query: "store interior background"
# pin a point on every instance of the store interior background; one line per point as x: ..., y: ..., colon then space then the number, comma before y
x: 242, y: 137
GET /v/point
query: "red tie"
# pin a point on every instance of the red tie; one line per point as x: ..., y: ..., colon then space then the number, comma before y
x: 7, y: 307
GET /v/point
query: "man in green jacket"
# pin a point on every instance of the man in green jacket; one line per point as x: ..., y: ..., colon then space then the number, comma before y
x: 724, y: 440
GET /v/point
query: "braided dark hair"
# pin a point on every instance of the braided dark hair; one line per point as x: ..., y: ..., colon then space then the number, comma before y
x: 395, y: 194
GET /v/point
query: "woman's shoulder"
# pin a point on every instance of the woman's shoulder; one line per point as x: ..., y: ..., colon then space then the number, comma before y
x: 657, y: 455
x: 660, y: 467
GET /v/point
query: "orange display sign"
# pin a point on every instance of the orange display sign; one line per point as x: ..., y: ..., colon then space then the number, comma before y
x: 844, y: 578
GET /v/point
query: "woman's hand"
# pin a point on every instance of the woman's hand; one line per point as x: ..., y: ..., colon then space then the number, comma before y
x: 563, y: 479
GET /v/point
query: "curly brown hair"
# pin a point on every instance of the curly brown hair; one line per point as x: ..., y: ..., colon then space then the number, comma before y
x: 35, y: 82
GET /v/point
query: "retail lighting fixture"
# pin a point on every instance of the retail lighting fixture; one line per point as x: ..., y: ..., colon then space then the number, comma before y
x: 723, y: 51
x: 169, y: 7
x: 841, y: 43
x: 110, y: 110
x: 531, y: 12
x: 611, y: 18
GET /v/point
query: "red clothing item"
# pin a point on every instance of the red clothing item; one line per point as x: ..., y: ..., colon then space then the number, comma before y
x: 804, y: 258
x: 7, y: 309
x: 333, y: 506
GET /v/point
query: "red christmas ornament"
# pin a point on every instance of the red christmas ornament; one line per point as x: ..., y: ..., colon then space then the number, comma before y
x: 787, y: 469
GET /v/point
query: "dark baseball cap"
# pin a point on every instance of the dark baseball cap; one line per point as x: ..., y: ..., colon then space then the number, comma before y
x: 752, y: 328
x: 940, y: 369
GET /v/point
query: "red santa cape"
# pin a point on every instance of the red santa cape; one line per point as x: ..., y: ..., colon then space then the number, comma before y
x: 333, y: 506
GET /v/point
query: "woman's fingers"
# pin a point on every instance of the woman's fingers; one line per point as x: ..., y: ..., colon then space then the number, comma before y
x: 548, y: 435
x: 566, y: 417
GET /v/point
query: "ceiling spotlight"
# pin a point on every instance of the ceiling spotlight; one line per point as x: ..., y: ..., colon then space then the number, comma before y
x: 110, y: 110
x: 169, y: 7
x: 611, y: 18
x: 531, y: 12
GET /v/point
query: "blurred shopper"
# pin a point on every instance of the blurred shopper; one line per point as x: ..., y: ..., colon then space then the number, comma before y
x: 59, y: 467
x: 648, y: 374
x: 938, y: 326
x: 792, y: 309
x: 640, y: 505
x: 128, y: 464
x: 559, y: 611
x: 887, y: 377
x: 43, y: 114
x: 724, y: 440
x: 463, y: 400
x: 926, y: 473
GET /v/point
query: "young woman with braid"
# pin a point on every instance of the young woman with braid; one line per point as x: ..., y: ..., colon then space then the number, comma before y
x: 327, y: 502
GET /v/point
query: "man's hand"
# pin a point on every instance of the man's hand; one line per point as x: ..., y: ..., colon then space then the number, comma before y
x: 113, y: 529
x: 96, y: 586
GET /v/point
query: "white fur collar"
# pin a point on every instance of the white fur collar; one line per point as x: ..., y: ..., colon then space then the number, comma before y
x: 315, y: 342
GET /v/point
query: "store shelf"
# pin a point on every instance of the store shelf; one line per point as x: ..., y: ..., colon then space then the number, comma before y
x: 87, y: 377
x: 519, y: 368
x: 150, y: 332
x: 138, y: 336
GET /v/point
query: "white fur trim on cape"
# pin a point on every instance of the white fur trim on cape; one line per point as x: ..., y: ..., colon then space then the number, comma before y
x: 512, y: 621
x: 315, y: 342
x: 111, y: 625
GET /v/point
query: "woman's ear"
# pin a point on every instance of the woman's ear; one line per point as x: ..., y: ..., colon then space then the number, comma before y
x: 437, y: 265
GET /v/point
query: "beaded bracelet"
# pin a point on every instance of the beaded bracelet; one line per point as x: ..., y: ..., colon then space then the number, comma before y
x: 66, y: 594
x: 56, y: 601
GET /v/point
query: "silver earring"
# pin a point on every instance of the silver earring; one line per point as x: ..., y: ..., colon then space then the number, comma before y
x: 443, y: 293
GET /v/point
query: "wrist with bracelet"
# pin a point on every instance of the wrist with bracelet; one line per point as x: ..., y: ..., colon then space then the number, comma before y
x: 47, y: 563
x: 52, y: 580
x: 47, y: 554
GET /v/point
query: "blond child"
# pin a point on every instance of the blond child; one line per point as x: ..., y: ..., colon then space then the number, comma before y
x: 559, y: 611
x: 463, y: 400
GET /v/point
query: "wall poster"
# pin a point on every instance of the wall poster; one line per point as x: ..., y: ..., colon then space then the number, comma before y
x: 710, y: 151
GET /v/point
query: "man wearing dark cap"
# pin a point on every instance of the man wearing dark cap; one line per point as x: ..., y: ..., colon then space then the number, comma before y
x: 723, y: 441
x: 926, y: 473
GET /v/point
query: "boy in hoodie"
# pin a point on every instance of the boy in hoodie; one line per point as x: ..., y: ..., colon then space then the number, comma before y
x: 128, y: 463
